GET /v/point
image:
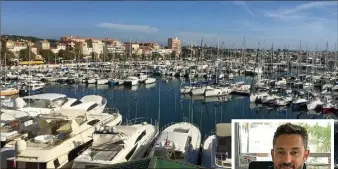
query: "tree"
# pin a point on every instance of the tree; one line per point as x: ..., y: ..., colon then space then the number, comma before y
x: 89, y: 43
x: 143, y: 56
x: 95, y: 56
x: 173, y: 54
x: 321, y: 136
x: 24, y: 55
x: 155, y: 56
x: 167, y: 56
x: 10, y: 56
x: 66, y: 55
x: 80, y: 56
x: 120, y: 57
x: 47, y: 54
x: 109, y: 57
x: 134, y: 56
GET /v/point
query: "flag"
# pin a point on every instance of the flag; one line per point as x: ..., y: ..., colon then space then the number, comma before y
x: 14, y: 163
x: 166, y: 141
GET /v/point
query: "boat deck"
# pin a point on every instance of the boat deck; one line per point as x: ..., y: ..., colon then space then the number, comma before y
x: 105, y: 152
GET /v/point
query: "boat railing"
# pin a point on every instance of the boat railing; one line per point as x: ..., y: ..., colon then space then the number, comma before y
x: 78, y: 138
x: 212, y: 132
x: 139, y: 120
x: 172, y: 123
x: 221, y: 157
x: 167, y: 125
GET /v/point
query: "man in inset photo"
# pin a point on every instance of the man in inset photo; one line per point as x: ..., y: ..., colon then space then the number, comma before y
x: 290, y: 147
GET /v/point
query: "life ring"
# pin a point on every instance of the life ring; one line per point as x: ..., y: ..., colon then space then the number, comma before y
x: 15, y: 124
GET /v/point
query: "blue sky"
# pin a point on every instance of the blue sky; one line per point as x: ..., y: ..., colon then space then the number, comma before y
x: 267, y: 22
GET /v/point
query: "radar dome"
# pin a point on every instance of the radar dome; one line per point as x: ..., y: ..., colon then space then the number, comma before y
x: 19, y: 103
x: 20, y: 146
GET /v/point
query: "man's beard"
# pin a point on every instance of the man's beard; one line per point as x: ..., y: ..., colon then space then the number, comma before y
x: 289, y: 165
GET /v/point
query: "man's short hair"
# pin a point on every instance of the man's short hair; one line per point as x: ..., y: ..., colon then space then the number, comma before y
x: 289, y: 128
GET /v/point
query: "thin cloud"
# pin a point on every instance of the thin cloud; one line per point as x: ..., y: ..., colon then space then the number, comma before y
x: 133, y: 28
x: 296, y: 12
x: 245, y: 6
x: 308, y: 6
x: 198, y: 35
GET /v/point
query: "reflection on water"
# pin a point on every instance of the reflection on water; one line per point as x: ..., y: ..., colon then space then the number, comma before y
x: 102, y: 87
x: 204, y: 99
x: 218, y: 99
x: 148, y: 86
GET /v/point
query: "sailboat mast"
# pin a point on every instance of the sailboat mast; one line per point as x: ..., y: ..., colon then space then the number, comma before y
x: 288, y: 59
x: 299, y: 56
x: 5, y: 61
x: 321, y: 53
x: 335, y: 54
x: 201, y: 51
x: 271, y: 61
x: 326, y: 55
x: 159, y: 104
x: 244, y: 50
x: 217, y: 48
x: 307, y: 58
x: 0, y: 59
x: 130, y: 53
x: 29, y: 66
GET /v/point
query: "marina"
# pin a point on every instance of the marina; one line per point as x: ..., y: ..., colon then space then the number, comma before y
x: 202, y: 102
x: 106, y: 85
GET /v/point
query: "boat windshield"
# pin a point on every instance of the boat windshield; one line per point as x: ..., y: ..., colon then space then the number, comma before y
x: 79, y: 165
x: 173, y: 155
x: 37, y: 103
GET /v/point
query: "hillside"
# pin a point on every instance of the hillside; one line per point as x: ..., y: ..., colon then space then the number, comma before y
x: 30, y: 38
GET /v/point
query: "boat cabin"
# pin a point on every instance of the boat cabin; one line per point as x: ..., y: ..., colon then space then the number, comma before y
x: 168, y: 147
x: 46, y: 100
x: 223, y: 149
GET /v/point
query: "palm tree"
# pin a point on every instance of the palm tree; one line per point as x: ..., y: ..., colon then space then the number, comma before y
x: 321, y: 136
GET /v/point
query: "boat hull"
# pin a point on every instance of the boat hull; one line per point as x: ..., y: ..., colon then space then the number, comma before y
x: 24, y: 92
x: 9, y: 92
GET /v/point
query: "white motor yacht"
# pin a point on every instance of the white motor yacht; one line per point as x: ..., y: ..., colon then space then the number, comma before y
x: 218, y: 91
x: 216, y: 152
x: 90, y: 103
x: 178, y: 141
x: 61, y: 136
x: 131, y: 81
x: 117, y: 144
x: 149, y: 80
x: 34, y: 105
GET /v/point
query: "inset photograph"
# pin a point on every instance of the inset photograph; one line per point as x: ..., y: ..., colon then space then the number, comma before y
x: 283, y: 144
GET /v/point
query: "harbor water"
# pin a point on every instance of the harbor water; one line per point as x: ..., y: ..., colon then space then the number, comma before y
x: 162, y: 101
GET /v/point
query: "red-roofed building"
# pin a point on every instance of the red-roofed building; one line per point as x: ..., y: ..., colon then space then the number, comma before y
x: 70, y: 41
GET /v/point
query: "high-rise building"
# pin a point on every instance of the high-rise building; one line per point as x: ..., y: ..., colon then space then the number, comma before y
x: 174, y: 44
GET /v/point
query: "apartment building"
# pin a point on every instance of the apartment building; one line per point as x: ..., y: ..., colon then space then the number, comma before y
x: 175, y: 44
x: 114, y: 46
x: 42, y: 45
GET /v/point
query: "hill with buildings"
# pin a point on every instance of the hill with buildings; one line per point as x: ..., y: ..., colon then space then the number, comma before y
x: 28, y: 38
